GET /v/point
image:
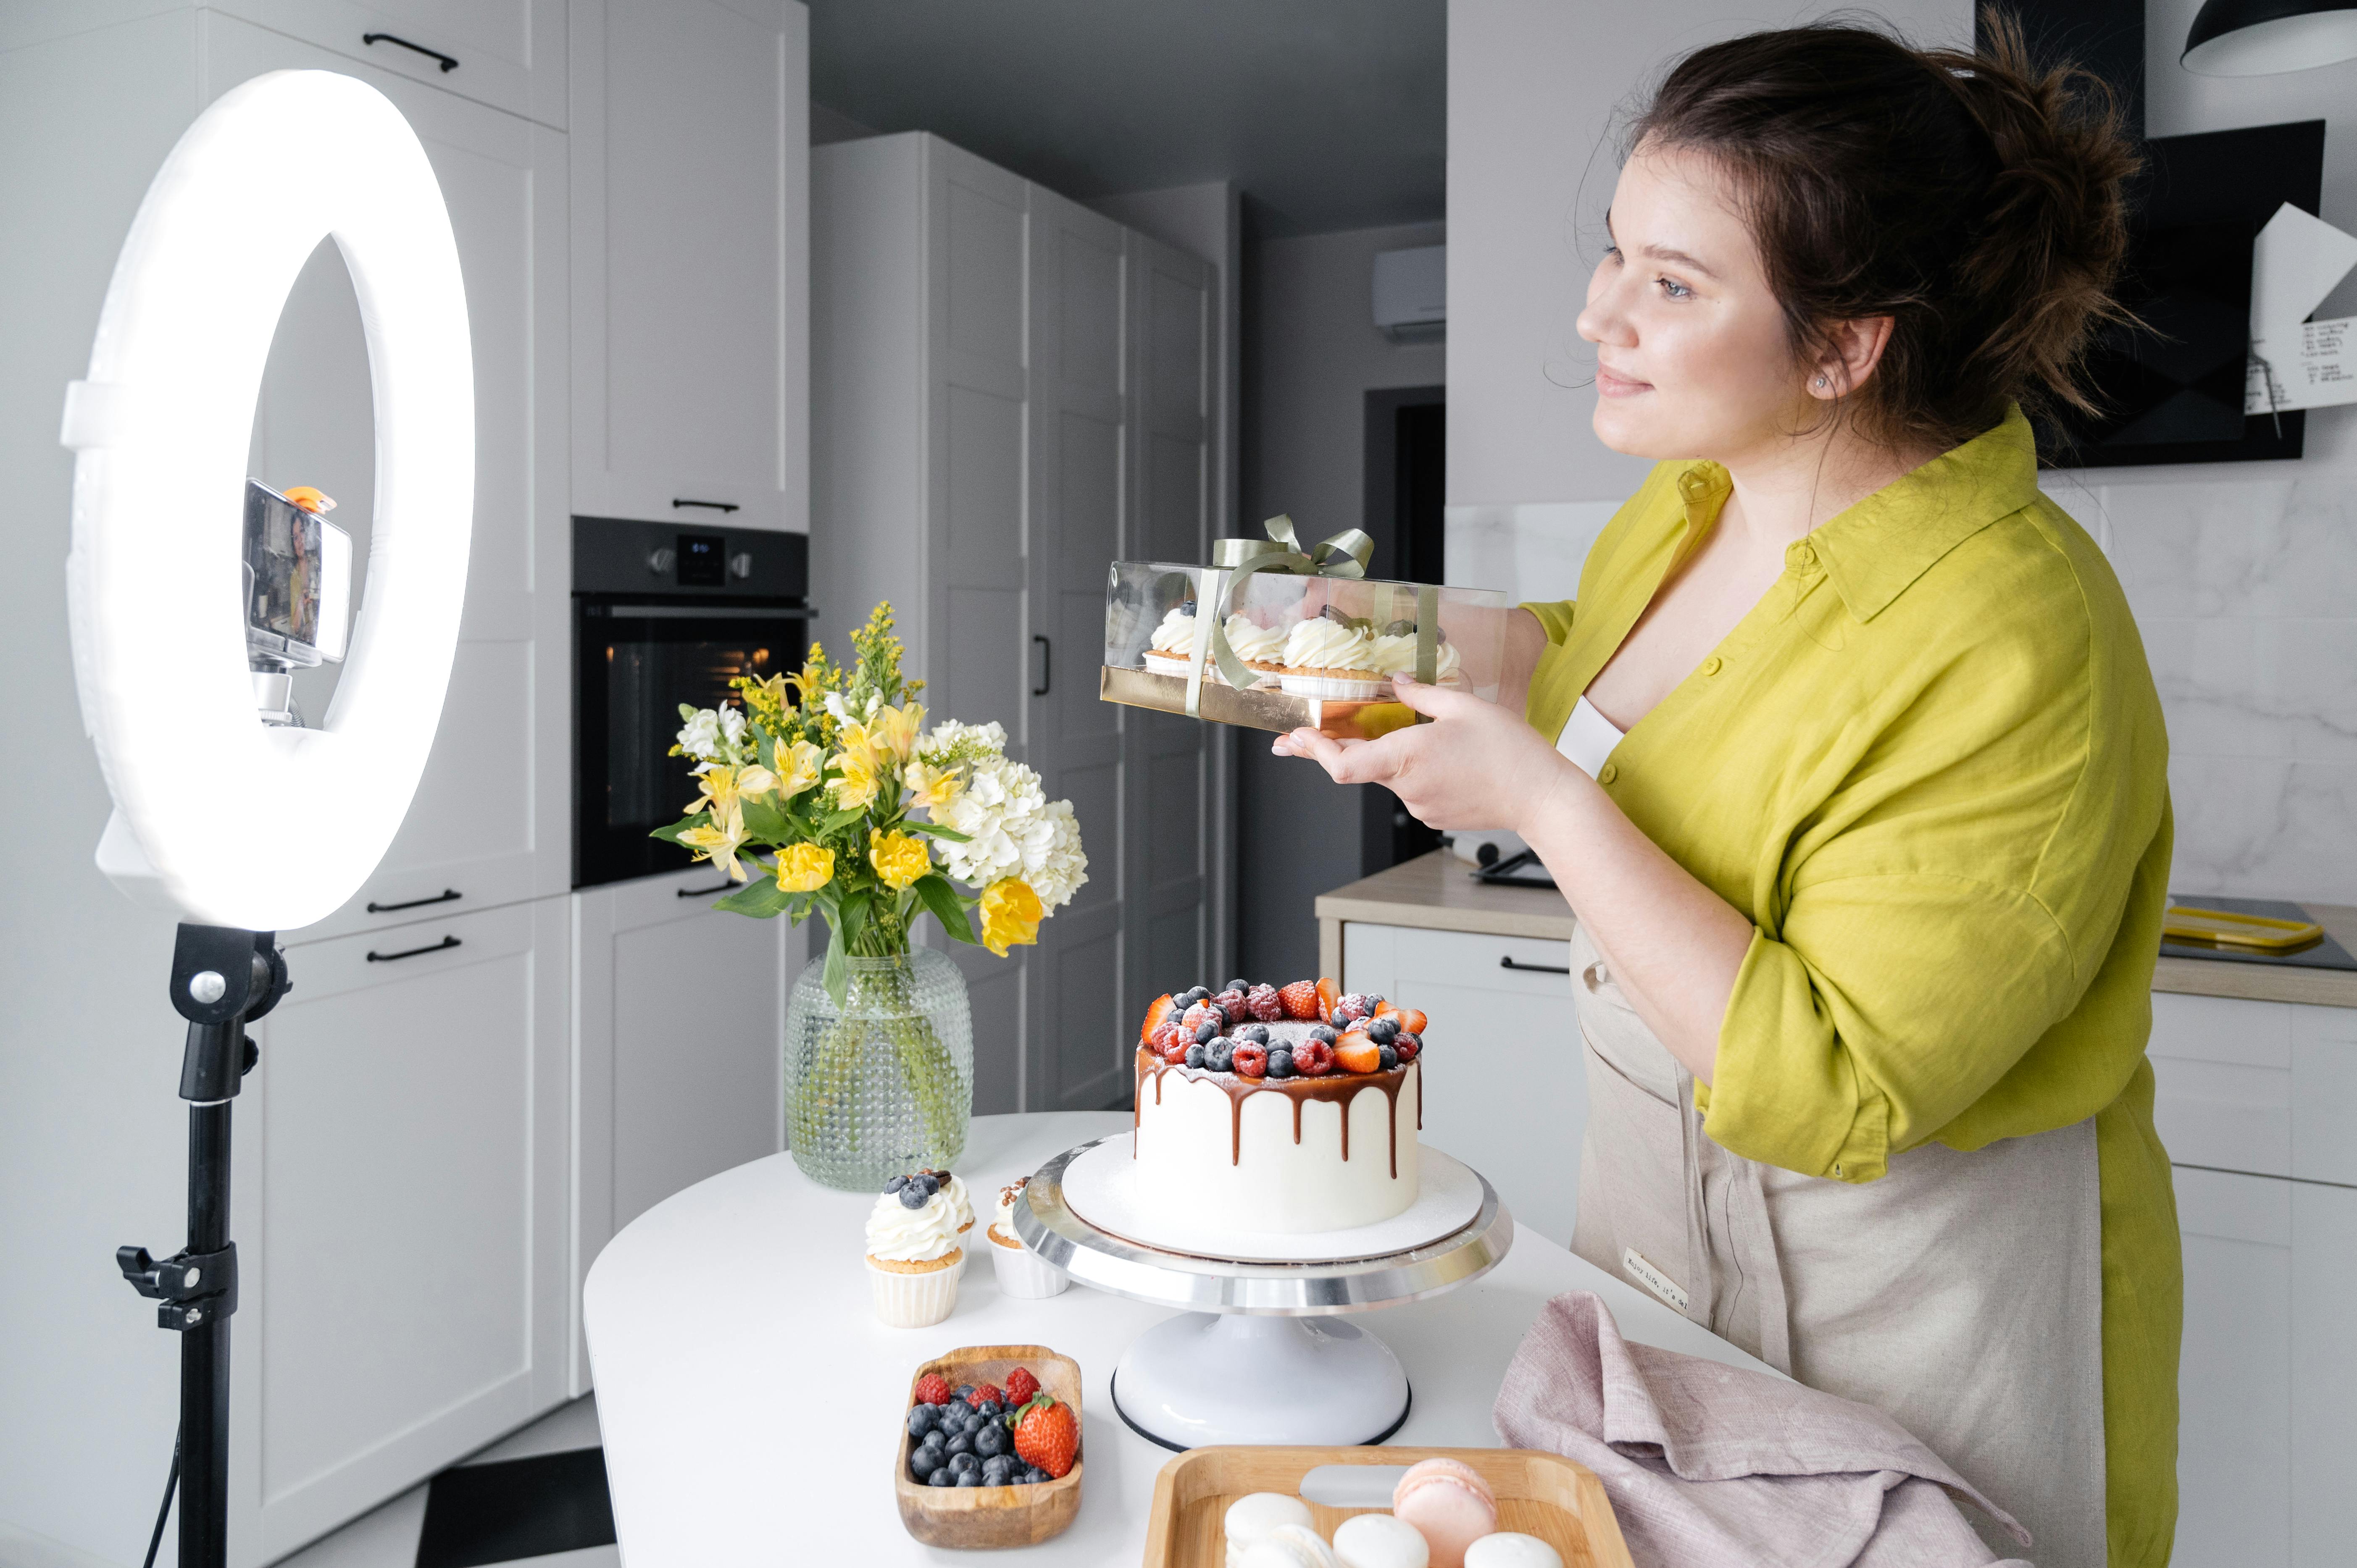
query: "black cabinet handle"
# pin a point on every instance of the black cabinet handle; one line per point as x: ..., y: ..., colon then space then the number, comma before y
x: 1534, y: 968
x: 448, y: 895
x: 448, y: 64
x: 445, y: 945
x: 716, y: 506
x: 1046, y: 652
x: 701, y: 892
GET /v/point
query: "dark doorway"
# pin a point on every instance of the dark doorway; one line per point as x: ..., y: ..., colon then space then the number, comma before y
x: 1406, y: 472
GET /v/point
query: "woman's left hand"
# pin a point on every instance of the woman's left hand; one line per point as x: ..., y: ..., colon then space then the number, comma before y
x: 1476, y: 765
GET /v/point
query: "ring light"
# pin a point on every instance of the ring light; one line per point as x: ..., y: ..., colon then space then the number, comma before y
x: 227, y: 820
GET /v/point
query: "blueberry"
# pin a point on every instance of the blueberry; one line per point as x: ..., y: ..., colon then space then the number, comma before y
x: 1037, y: 1475
x: 1382, y: 1031
x: 1239, y: 985
x: 990, y: 1441
x: 944, y: 1476
x: 959, y: 1443
x: 962, y: 1463
x: 1187, y: 607
x: 962, y: 1393
x: 1205, y: 1033
x: 914, y: 1196
x: 921, y: 1420
x: 1280, y: 1064
x: 1188, y: 997
x: 989, y: 1408
x: 970, y: 1479
x: 1321, y: 1032
x: 896, y: 1184
x: 926, y: 1180
x: 1339, y: 1020
x: 1387, y: 1058
x: 1195, y: 1057
x: 1220, y: 1056
x: 1256, y: 1033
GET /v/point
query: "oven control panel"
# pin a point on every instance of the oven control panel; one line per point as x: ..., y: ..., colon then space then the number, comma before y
x: 621, y: 555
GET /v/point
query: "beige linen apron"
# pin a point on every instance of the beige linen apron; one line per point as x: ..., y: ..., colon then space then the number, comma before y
x: 1962, y: 1293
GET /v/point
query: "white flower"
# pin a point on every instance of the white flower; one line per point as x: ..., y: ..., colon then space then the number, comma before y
x: 1012, y: 828
x: 700, y: 737
x: 835, y: 707
x: 732, y: 726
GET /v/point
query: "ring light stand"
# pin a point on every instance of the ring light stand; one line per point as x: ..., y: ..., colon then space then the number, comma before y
x: 243, y: 828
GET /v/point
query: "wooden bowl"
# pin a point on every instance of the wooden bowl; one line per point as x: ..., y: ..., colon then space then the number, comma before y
x: 991, y: 1516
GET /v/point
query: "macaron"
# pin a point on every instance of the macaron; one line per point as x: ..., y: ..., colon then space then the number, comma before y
x: 1509, y: 1549
x: 1250, y: 1518
x: 1289, y: 1546
x: 1380, y: 1540
x: 1450, y: 1506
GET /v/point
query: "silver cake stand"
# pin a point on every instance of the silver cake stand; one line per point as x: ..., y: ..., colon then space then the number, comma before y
x: 1261, y: 1353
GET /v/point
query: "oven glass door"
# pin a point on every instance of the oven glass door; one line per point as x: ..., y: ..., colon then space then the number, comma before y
x: 634, y: 664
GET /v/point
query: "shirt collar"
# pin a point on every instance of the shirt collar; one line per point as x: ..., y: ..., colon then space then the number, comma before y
x: 1877, y: 548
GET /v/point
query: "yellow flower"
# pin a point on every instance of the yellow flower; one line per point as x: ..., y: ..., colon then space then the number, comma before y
x: 898, y: 858
x: 933, y: 786
x: 725, y: 790
x: 894, y: 730
x: 804, y: 867
x: 1010, y: 914
x: 803, y: 762
x: 717, y: 841
x: 857, y: 766
x: 809, y: 681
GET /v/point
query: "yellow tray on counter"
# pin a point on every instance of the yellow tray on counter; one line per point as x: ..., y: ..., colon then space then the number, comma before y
x: 2263, y: 932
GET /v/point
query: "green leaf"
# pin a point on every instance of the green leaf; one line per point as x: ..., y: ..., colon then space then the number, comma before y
x: 763, y: 820
x: 934, y: 830
x: 842, y: 819
x: 761, y: 897
x: 851, y: 916
x: 941, y: 898
x: 671, y: 834
x: 837, y: 975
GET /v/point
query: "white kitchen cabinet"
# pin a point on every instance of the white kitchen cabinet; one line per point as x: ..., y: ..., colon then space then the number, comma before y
x: 1012, y: 391
x: 1490, y: 1025
x: 678, y: 1023
x: 401, y: 1192
x: 489, y: 825
x: 510, y: 54
x: 691, y: 138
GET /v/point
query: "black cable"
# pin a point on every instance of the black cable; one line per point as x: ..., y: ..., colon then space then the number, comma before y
x: 171, y: 1483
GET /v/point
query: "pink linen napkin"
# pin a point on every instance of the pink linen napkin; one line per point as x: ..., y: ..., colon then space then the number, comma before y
x: 1715, y: 1467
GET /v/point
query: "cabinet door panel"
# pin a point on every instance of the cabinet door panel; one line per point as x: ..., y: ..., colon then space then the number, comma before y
x: 2234, y: 1442
x: 511, y: 53
x: 402, y: 1160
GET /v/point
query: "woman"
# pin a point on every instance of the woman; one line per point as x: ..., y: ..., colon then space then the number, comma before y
x: 1848, y: 759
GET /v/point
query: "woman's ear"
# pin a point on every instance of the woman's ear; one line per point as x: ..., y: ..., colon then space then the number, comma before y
x: 1852, y: 350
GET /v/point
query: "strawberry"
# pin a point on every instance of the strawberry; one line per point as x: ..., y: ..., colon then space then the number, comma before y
x: 1313, y: 1058
x: 1410, y: 1020
x: 1154, y: 1016
x: 1263, y: 1003
x: 1300, y: 1000
x: 1048, y: 1435
x: 986, y: 1391
x: 932, y: 1388
x: 1327, y: 994
x: 1355, y: 1052
x: 1021, y: 1386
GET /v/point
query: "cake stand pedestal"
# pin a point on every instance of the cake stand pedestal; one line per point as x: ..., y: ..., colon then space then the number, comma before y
x: 1263, y: 1354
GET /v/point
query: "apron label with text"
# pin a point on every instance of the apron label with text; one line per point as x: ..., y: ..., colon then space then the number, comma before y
x: 1651, y: 1278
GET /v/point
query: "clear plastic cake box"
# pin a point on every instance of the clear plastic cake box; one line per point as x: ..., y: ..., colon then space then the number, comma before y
x: 1469, y: 644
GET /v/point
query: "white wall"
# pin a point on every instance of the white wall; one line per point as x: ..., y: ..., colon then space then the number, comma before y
x: 1311, y: 355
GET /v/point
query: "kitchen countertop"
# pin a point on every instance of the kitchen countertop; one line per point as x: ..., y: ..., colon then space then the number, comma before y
x: 1436, y: 892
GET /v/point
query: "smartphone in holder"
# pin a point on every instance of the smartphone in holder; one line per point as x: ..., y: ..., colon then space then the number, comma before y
x: 298, y: 579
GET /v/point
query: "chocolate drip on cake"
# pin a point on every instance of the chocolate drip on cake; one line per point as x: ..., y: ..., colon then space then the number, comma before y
x: 1341, y: 1089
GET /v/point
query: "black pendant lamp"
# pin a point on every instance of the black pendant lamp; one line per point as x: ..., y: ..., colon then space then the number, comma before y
x: 2259, y: 38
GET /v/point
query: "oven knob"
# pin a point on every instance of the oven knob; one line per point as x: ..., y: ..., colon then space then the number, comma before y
x: 741, y: 564
x: 661, y: 560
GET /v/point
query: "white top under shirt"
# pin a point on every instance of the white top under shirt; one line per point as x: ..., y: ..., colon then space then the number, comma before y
x: 1587, y: 738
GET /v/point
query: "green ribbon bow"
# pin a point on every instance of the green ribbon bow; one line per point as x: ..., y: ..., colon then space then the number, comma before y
x: 1234, y: 562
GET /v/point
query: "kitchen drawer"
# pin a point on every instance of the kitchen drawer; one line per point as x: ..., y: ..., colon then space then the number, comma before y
x: 2260, y: 1087
x: 511, y: 53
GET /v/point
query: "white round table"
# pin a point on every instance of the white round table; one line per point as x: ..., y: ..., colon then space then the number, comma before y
x: 752, y: 1404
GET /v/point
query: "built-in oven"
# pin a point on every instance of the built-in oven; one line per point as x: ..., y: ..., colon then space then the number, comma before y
x: 662, y: 616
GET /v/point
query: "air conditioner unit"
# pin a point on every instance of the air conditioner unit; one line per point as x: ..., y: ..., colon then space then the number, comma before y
x: 1412, y: 293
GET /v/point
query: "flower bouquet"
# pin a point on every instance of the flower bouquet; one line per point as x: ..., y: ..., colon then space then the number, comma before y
x: 810, y: 786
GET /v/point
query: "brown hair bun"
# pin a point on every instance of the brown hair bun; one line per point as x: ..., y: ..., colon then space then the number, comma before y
x: 1978, y: 200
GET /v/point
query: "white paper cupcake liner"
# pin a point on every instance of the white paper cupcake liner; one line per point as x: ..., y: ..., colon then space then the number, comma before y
x: 915, y: 1301
x: 1023, y: 1273
x: 1332, y: 690
x: 966, y: 1246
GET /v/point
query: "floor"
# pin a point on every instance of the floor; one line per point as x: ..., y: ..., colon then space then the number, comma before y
x: 537, y: 1496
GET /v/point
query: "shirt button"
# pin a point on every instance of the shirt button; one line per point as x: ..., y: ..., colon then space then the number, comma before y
x: 1712, y: 665
x: 1801, y: 556
x: 1607, y: 773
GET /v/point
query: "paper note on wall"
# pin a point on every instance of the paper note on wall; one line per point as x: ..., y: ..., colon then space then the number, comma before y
x: 2297, y: 260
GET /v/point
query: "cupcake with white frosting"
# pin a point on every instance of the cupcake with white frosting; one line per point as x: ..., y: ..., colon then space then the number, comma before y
x: 961, y: 1206
x: 1260, y: 647
x: 1394, y: 654
x: 914, y: 1256
x: 1171, y: 650
x: 1021, y: 1272
x: 1328, y: 657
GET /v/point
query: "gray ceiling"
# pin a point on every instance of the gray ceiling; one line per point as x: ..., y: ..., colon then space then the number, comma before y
x: 1328, y: 114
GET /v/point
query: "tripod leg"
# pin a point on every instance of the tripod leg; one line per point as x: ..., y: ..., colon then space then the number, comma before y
x: 204, y: 1354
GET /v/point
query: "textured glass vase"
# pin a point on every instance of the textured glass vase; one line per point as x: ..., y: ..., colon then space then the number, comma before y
x: 884, y: 1085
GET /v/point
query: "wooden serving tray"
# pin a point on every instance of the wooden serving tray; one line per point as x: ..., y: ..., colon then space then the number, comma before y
x: 1538, y: 1494
x: 992, y: 1516
x: 1261, y: 707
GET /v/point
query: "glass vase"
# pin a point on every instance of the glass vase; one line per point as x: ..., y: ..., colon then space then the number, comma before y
x: 883, y: 1085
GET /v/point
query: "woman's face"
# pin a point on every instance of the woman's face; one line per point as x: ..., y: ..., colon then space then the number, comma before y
x: 1692, y: 356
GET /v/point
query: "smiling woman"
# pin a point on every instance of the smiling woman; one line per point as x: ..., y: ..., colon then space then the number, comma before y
x: 1848, y: 759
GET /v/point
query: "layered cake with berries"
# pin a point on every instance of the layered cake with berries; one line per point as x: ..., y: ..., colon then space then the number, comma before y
x: 1287, y: 1110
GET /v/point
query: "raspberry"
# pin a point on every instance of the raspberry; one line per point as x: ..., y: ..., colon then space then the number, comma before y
x: 1175, y: 1053
x: 1251, y: 1061
x: 1353, y: 1008
x: 1170, y: 1034
x: 1232, y: 1002
x: 1262, y: 1003
x: 1203, y: 1012
x: 986, y: 1391
x: 932, y: 1388
x: 1313, y: 1058
x: 1021, y: 1386
x: 1408, y: 1047
x: 1299, y: 999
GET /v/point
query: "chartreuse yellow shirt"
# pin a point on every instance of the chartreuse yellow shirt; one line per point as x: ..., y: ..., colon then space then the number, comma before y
x: 1930, y: 768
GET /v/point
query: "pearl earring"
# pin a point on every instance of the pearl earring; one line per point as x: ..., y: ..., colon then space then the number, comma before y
x: 1821, y: 381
